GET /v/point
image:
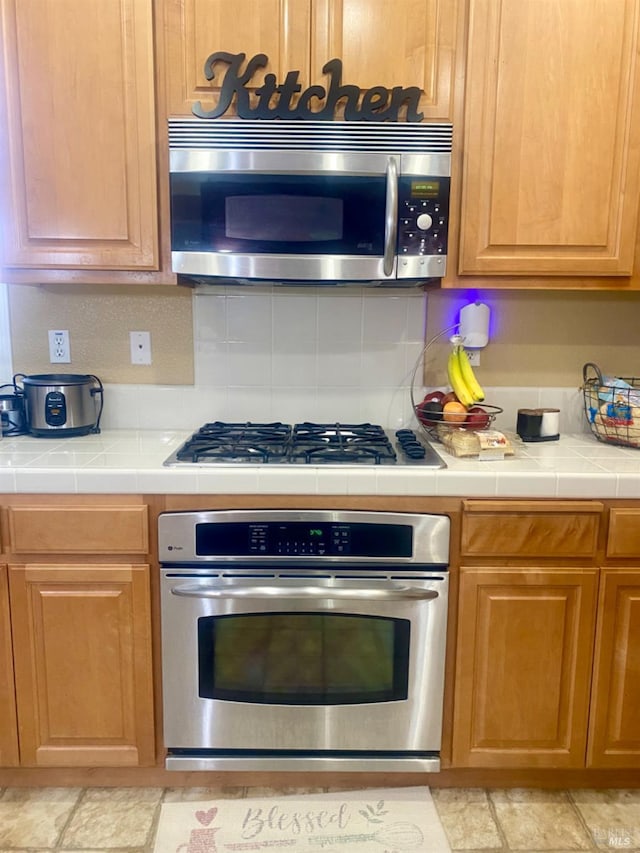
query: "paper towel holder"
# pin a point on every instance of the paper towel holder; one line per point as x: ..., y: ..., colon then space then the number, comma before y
x: 474, y: 325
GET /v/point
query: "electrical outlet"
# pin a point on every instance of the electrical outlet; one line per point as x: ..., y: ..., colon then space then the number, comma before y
x: 474, y: 357
x: 140, y: 347
x: 59, y: 348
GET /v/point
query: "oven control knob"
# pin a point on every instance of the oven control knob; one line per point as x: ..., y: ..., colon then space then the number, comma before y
x: 424, y: 222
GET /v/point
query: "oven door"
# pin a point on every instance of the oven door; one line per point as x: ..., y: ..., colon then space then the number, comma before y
x: 291, y: 668
x: 290, y: 215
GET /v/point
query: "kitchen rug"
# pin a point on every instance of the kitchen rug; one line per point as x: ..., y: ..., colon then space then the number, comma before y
x: 382, y: 820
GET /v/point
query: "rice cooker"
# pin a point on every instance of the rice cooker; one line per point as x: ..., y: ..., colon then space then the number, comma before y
x: 12, y: 418
x: 62, y: 404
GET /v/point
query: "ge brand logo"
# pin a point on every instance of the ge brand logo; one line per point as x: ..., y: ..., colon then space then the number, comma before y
x: 174, y: 548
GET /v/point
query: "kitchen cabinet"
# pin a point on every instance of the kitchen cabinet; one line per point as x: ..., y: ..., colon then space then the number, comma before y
x: 526, y: 626
x: 525, y: 644
x: 82, y: 664
x: 614, y: 727
x: 80, y: 614
x: 614, y: 730
x: 381, y: 43
x: 551, y: 161
x: 548, y: 654
x: 8, y: 723
x: 78, y: 180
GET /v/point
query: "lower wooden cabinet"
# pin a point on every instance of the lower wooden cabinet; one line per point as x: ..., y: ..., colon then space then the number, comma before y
x: 523, y: 667
x: 614, y: 728
x: 8, y: 724
x: 82, y: 658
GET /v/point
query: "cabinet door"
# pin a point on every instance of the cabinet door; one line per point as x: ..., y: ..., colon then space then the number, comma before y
x: 82, y: 637
x: 391, y: 43
x: 78, y: 157
x: 551, y: 175
x: 614, y: 730
x: 194, y: 29
x: 8, y: 725
x: 523, y: 667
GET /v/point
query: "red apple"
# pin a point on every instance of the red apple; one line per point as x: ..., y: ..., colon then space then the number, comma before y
x: 477, y: 418
x: 436, y: 396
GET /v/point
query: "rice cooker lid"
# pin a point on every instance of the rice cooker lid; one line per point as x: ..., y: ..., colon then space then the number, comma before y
x: 58, y: 379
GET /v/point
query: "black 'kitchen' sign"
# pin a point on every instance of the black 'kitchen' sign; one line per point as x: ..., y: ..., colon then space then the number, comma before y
x: 274, y: 100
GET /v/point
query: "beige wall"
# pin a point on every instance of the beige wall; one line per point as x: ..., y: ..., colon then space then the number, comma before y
x: 99, y: 319
x: 542, y: 338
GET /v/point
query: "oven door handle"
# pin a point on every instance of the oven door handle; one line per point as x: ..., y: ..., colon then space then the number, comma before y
x: 390, y: 593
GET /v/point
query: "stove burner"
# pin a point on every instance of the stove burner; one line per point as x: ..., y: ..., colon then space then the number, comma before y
x: 348, y: 443
x: 237, y: 442
x: 305, y: 443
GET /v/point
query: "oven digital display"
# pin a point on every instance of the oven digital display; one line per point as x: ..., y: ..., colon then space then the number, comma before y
x: 299, y: 658
x: 303, y: 539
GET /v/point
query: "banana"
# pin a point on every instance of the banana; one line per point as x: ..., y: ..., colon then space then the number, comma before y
x: 469, y: 377
x: 455, y: 378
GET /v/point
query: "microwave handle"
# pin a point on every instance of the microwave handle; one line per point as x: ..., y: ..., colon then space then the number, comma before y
x: 391, y: 217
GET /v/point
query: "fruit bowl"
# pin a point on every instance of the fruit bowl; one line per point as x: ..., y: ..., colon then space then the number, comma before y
x: 435, y: 422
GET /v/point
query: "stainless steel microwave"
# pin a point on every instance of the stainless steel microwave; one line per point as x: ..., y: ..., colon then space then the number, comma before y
x: 309, y: 202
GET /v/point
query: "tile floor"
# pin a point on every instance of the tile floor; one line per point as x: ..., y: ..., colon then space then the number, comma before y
x: 474, y: 819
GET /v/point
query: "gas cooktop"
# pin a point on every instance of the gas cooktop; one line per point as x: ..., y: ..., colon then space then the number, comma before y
x: 221, y: 443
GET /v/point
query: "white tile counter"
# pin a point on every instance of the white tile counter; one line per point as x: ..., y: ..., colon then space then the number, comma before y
x: 130, y: 461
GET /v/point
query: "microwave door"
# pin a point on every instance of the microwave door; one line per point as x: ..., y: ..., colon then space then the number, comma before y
x: 314, y: 216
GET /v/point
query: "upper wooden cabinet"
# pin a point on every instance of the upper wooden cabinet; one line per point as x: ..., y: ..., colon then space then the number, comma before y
x: 194, y: 29
x: 551, y: 164
x: 381, y: 43
x: 78, y: 159
x: 391, y: 43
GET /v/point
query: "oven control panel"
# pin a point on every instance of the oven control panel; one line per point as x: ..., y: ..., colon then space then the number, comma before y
x: 198, y: 538
x: 303, y: 539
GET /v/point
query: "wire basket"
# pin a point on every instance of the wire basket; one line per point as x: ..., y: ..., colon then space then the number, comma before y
x: 612, y: 406
x: 434, y: 425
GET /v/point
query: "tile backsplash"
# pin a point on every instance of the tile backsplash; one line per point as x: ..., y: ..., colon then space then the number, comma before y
x: 290, y: 354
x: 294, y: 354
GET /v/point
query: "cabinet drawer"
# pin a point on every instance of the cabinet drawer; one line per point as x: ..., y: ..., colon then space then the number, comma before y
x: 78, y: 530
x: 624, y: 533
x: 502, y: 529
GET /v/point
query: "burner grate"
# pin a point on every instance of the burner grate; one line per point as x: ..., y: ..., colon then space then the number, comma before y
x: 306, y: 443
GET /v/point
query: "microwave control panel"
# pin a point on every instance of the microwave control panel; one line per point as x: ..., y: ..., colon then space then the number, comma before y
x: 423, y: 216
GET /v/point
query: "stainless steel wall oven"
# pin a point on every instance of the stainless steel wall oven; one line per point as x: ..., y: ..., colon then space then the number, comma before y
x: 303, y: 640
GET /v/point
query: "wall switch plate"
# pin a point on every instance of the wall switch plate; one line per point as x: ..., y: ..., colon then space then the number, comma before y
x: 140, y: 347
x: 59, y: 347
x: 474, y: 357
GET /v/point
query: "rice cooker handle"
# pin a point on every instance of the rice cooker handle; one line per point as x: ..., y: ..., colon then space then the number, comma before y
x: 97, y: 390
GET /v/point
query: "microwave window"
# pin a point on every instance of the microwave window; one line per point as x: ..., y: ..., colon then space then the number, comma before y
x: 283, y: 218
x: 303, y: 658
x: 278, y: 214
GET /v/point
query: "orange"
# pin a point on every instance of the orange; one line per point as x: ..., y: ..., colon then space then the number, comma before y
x: 454, y: 412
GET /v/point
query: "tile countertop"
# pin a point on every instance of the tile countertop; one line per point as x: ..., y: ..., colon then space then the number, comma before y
x: 130, y: 461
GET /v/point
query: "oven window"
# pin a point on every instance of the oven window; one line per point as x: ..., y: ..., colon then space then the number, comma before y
x: 278, y: 214
x: 303, y: 658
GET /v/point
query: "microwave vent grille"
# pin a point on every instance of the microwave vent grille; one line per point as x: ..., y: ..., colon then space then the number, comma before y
x: 310, y: 135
